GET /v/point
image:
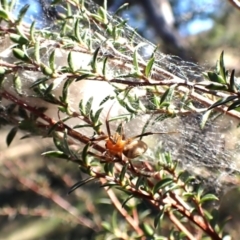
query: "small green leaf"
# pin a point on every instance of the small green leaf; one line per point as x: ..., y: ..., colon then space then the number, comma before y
x: 48, y: 90
x: 105, y: 7
x: 126, y: 200
x: 37, y: 52
x: 4, y: 15
x: 149, y: 66
x: 39, y: 81
x: 141, y: 181
x: 159, y: 217
x: 2, y: 70
x: 23, y: 113
x: 208, y: 197
x: 65, y: 90
x: 125, y: 5
x: 22, y: 34
x: 135, y: 62
x: 168, y: 94
x: 80, y: 183
x: 85, y: 153
x: 2, y: 76
x: 189, y: 180
x: 235, y: 105
x: 12, y: 5
x: 70, y: 62
x: 109, y: 168
x: 217, y: 86
x: 51, y: 61
x: 107, y: 226
x: 11, y: 135
x: 82, y: 108
x: 22, y: 12
x: 46, y: 70
x: 4, y: 5
x: 216, y: 78
x: 104, y: 71
x: 222, y: 101
x: 77, y: 31
x: 84, y: 76
x: 188, y: 195
x: 204, y: 119
x: 55, y: 154
x: 94, y: 60
x: 82, y: 126
x: 162, y: 184
x: 96, y: 116
x: 88, y: 106
x: 32, y: 32
x: 114, y: 220
x: 17, y: 83
x: 232, y: 82
x: 18, y: 53
x: 123, y: 172
x: 105, y: 100
x: 222, y: 67
x: 56, y: 140
x: 148, y: 230
x: 18, y: 39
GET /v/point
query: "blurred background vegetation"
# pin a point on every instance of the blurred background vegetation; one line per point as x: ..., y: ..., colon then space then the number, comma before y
x: 34, y: 203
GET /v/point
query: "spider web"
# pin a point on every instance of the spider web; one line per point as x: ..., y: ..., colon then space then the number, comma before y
x: 210, y: 153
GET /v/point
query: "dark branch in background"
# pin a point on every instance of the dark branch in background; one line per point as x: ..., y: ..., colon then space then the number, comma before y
x: 160, y: 17
x: 235, y: 3
x: 155, y: 16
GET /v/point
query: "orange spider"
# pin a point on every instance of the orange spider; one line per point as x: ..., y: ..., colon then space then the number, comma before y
x: 117, y: 145
x: 131, y: 147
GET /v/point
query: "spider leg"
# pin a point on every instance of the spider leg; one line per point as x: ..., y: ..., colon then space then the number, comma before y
x: 151, y: 133
x: 107, y: 121
x: 104, y: 137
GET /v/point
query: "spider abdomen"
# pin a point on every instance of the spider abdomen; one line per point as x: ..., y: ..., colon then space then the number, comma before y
x: 135, y: 149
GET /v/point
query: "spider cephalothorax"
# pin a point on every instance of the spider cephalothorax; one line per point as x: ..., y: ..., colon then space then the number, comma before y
x: 131, y: 147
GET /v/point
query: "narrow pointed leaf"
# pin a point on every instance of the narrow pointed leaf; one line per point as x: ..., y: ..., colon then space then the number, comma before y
x: 208, y: 197
x: 17, y: 84
x: 168, y: 94
x: 149, y: 66
x: 51, y: 60
x: 123, y: 172
x: 32, y: 32
x: 204, y: 119
x: 222, y: 101
x: 215, y: 78
x: 232, y: 82
x: 11, y: 135
x: 126, y: 200
x: 80, y: 183
x: 88, y: 106
x: 55, y: 154
x: 235, y: 105
x: 22, y: 12
x: 162, y: 184
x: 159, y: 217
x: 94, y: 60
x: 222, y: 67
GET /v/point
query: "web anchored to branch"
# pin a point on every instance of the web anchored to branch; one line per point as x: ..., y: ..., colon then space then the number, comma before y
x: 92, y: 58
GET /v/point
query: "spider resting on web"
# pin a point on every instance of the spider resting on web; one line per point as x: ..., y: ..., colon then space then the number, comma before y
x: 118, y: 145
